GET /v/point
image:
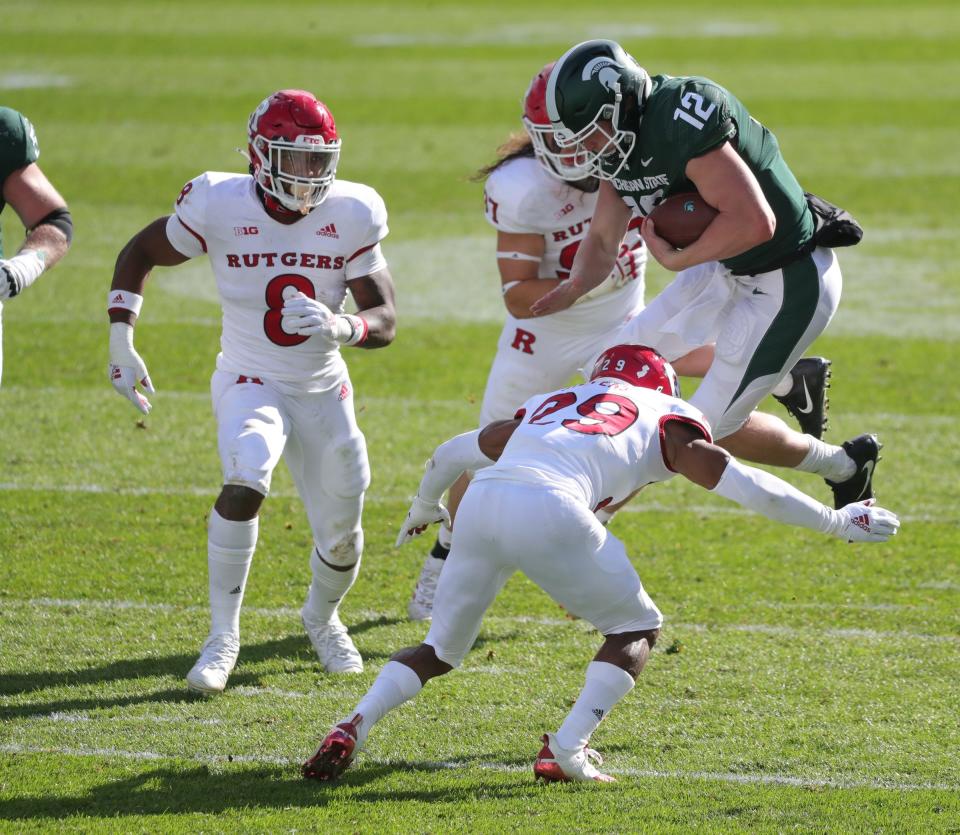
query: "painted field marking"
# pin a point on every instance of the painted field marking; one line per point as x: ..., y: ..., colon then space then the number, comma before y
x: 371, y: 615
x: 714, y: 776
x: 944, y: 513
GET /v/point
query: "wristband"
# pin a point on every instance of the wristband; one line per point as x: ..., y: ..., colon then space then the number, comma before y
x: 359, y: 329
x: 124, y: 300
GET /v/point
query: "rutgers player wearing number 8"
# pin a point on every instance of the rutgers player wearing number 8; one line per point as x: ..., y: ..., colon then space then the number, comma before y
x: 286, y: 242
x: 565, y: 454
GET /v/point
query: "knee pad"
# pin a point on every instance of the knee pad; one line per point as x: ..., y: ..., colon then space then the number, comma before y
x: 344, y: 552
x: 345, y: 470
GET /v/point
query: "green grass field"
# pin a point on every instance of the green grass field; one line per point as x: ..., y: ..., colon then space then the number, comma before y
x: 818, y: 684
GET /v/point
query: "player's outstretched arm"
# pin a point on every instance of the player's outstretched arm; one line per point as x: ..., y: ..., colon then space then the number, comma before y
x: 595, y: 257
x: 468, y: 452
x: 714, y: 469
x: 45, y: 216
x: 149, y: 248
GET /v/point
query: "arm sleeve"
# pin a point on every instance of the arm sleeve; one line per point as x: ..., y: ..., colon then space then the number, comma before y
x: 772, y: 497
x: 186, y: 227
x: 448, y: 461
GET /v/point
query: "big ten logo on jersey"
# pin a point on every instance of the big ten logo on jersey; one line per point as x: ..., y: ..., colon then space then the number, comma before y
x: 268, y: 260
x: 240, y: 231
x: 523, y: 341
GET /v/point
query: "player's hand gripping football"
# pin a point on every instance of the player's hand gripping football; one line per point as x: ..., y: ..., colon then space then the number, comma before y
x: 308, y: 317
x: 420, y: 517
x: 865, y: 522
x: 127, y: 369
x: 667, y: 255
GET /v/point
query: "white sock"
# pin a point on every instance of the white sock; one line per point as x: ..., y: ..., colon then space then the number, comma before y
x: 828, y: 461
x: 606, y: 685
x: 230, y: 547
x: 782, y: 389
x: 328, y: 587
x: 396, y: 684
x: 444, y: 536
x: 603, y: 515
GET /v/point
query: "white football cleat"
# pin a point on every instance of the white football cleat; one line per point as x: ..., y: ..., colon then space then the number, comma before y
x: 559, y: 765
x: 420, y: 606
x: 218, y: 657
x: 332, y: 643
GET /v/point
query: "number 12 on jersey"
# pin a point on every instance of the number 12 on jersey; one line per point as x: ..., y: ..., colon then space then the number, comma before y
x: 693, y: 102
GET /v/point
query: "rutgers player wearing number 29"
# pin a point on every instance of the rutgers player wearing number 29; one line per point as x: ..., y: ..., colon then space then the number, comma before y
x: 285, y: 242
x: 565, y: 454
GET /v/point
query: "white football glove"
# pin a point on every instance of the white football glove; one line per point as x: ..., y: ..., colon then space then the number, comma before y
x: 126, y: 368
x: 865, y: 522
x: 420, y: 517
x: 307, y: 317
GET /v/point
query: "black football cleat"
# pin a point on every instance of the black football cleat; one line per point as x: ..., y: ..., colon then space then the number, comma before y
x: 807, y: 401
x: 865, y: 452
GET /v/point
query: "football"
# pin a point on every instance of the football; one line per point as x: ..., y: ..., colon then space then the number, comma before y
x: 681, y: 218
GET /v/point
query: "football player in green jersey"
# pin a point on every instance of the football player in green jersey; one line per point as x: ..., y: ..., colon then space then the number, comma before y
x: 756, y: 282
x: 43, y: 211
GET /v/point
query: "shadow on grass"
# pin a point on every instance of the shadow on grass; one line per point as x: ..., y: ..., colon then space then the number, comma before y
x: 169, y: 790
x: 295, y: 648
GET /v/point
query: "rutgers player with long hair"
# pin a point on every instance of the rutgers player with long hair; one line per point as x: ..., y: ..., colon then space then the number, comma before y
x: 285, y: 242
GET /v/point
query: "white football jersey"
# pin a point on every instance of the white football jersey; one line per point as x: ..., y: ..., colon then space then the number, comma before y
x: 258, y: 263
x: 600, y: 441
x: 521, y: 197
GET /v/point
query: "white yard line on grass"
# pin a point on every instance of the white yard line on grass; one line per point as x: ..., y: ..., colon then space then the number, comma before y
x: 943, y: 514
x: 365, y: 614
x: 716, y: 776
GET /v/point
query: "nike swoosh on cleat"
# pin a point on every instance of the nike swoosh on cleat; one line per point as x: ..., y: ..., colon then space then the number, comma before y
x: 868, y: 467
x: 806, y: 393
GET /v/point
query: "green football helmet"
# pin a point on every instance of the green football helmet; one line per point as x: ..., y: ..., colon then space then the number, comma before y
x: 595, y: 89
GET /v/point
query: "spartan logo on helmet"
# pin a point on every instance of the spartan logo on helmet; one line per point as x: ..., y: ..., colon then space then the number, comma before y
x: 595, y: 98
x: 605, y: 71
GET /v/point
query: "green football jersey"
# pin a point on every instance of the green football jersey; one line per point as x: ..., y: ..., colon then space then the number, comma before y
x: 685, y: 117
x: 18, y: 148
